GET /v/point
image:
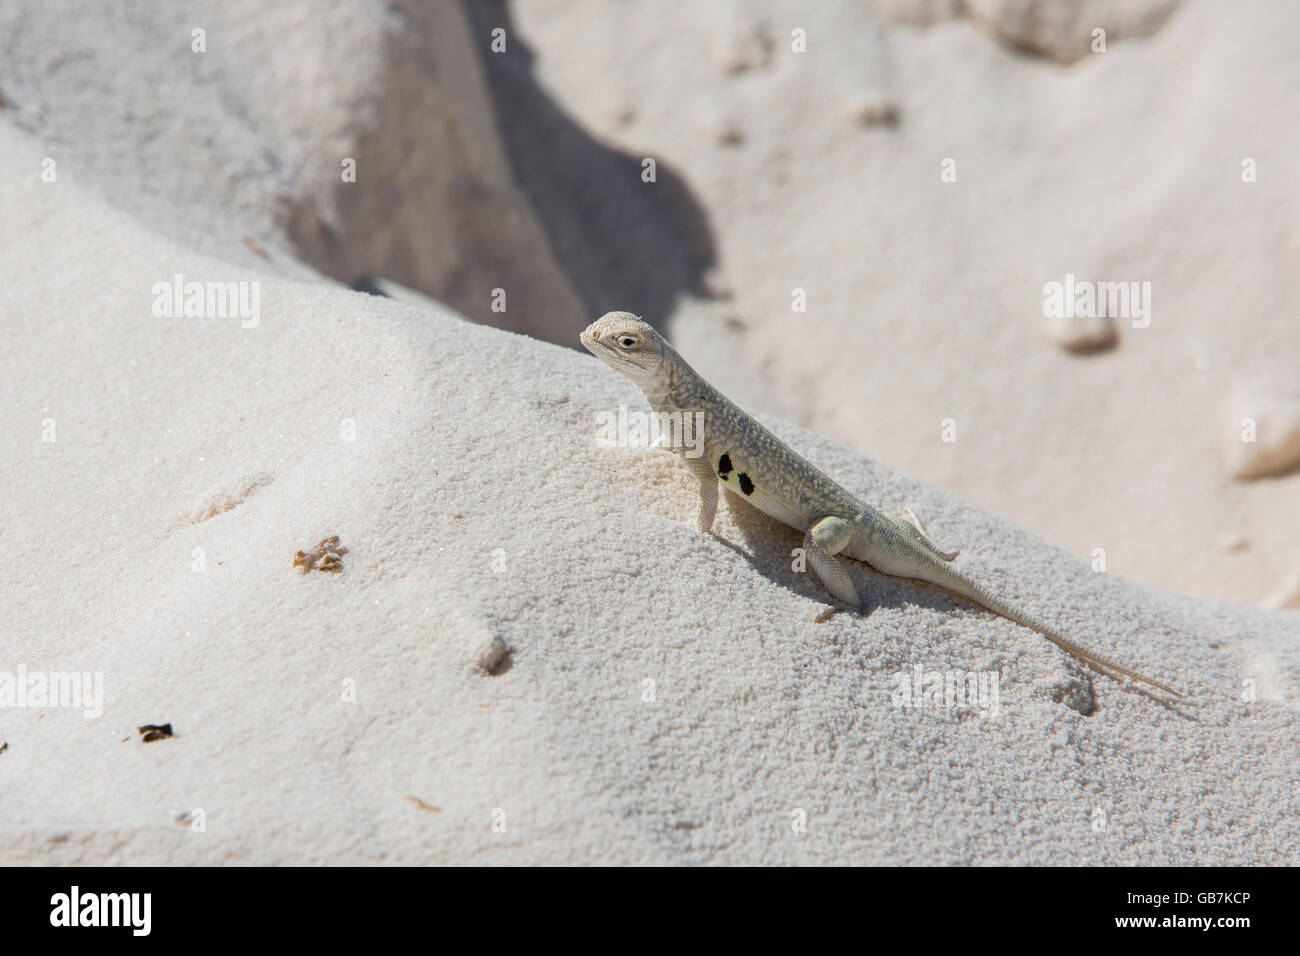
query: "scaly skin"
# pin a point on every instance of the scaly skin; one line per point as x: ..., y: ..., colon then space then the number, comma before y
x: 772, y: 477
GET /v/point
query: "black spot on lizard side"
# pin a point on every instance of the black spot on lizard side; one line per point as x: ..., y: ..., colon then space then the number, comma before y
x: 724, y: 466
x: 746, y: 485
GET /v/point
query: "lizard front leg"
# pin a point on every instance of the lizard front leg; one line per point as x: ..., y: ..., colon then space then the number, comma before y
x: 825, y: 539
x: 708, y: 481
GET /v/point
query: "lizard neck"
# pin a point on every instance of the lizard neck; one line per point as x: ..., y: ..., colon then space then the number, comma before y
x: 673, y: 388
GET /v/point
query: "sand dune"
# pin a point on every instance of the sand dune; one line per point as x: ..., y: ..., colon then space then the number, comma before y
x: 518, y: 649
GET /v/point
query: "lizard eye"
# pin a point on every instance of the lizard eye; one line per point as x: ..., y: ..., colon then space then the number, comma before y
x: 627, y: 341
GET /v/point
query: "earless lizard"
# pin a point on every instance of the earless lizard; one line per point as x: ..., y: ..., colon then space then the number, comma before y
x: 769, y: 475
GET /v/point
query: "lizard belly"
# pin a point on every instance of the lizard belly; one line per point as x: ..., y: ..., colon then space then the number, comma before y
x: 754, y: 489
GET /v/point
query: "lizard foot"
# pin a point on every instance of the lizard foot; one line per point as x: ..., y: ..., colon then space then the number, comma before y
x: 913, y: 527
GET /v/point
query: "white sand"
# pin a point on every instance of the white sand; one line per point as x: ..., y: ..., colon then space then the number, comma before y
x: 1125, y: 166
x: 481, y: 527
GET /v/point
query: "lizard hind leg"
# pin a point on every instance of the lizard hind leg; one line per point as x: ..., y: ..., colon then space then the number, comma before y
x: 825, y: 539
x: 911, y: 526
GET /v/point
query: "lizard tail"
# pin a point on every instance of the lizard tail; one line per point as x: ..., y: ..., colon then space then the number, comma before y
x: 956, y: 581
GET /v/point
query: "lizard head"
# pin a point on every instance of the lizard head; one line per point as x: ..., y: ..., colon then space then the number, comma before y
x: 624, y: 342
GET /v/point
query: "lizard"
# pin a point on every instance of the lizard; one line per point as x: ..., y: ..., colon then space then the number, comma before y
x: 769, y: 475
